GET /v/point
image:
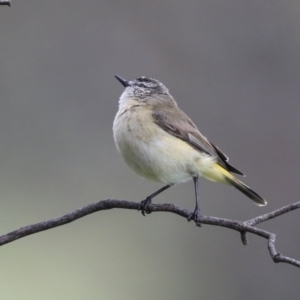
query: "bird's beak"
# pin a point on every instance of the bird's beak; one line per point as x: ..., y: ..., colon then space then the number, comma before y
x: 123, y: 81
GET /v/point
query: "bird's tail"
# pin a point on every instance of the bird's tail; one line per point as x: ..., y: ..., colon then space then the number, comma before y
x: 258, y: 200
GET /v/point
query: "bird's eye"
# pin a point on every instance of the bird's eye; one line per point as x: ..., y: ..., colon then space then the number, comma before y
x: 141, y: 85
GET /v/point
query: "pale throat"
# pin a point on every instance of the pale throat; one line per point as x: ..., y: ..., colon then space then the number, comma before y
x: 126, y: 101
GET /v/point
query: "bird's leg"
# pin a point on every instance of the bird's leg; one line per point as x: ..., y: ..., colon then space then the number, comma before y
x: 145, y: 203
x: 196, y: 214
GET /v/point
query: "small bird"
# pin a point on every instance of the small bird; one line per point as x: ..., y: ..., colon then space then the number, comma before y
x: 161, y: 143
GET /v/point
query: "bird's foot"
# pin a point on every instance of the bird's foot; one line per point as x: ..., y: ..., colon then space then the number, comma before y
x: 144, y: 206
x: 195, y: 216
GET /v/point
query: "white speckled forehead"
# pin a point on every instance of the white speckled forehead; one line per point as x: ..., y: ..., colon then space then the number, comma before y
x: 142, y: 88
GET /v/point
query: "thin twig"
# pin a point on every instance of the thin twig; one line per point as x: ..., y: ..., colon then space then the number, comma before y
x: 274, y: 214
x: 5, y: 2
x: 268, y: 216
x: 239, y: 226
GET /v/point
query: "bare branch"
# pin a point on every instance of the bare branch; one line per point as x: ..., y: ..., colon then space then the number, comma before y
x: 267, y: 217
x: 274, y: 214
x: 5, y: 2
x: 242, y: 227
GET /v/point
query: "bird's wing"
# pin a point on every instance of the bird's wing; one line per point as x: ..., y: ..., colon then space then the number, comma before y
x: 181, y: 126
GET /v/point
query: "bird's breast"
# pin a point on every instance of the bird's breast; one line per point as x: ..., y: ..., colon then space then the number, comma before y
x: 134, y: 135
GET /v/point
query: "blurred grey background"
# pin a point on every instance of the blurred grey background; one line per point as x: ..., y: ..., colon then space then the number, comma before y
x: 233, y: 66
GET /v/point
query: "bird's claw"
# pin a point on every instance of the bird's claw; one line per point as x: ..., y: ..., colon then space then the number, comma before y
x: 195, y: 216
x: 144, y: 206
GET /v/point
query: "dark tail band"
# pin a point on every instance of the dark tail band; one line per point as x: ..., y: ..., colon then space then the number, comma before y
x: 258, y: 200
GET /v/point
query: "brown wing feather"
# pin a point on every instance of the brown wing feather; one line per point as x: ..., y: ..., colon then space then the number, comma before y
x: 225, y: 159
x: 181, y: 126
